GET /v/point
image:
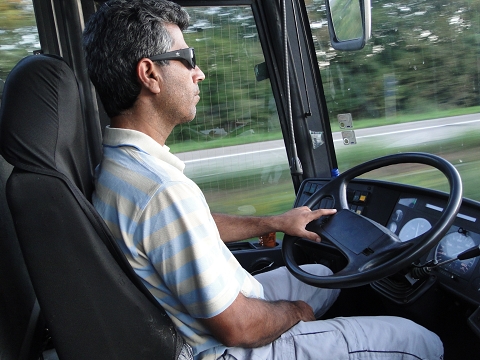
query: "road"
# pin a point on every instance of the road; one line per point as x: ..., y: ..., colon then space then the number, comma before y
x: 271, y: 156
x: 425, y: 130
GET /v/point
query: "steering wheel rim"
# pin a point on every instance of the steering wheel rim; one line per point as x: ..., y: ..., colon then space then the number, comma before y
x: 387, y: 261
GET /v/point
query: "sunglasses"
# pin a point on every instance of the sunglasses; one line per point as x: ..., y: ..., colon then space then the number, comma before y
x: 187, y: 54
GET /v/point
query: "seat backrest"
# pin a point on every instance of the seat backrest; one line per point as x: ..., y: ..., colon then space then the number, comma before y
x: 94, y: 305
x: 22, y: 330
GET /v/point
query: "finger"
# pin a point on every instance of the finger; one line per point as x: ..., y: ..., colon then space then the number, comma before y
x: 322, y: 212
x: 310, y: 235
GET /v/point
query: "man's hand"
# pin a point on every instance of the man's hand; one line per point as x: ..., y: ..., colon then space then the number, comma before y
x: 305, y: 311
x: 294, y: 221
x: 249, y: 322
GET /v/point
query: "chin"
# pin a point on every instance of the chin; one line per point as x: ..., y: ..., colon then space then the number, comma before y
x: 189, y: 119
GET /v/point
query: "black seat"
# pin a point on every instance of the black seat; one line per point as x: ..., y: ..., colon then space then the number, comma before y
x: 93, y: 303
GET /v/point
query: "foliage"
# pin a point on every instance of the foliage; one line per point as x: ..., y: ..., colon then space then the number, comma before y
x: 233, y: 102
x: 423, y: 56
x: 422, y: 62
x: 18, y: 33
x: 410, y: 67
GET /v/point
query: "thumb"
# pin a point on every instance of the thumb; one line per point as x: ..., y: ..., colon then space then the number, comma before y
x: 310, y: 235
x: 316, y: 214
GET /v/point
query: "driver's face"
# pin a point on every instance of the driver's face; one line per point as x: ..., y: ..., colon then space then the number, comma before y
x: 180, y: 91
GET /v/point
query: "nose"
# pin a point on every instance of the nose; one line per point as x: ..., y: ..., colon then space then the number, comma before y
x: 198, y: 75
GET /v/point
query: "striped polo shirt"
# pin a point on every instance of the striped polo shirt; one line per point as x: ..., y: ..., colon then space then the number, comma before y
x: 164, y: 226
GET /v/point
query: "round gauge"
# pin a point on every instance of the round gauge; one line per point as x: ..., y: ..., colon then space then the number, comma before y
x: 397, y: 215
x: 392, y: 226
x: 452, y: 245
x: 414, y: 228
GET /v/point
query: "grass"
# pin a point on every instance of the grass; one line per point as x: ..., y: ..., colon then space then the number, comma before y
x: 404, y: 118
x: 191, y: 145
x: 460, y: 150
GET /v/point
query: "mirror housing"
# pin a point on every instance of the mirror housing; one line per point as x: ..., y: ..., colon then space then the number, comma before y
x: 349, y: 23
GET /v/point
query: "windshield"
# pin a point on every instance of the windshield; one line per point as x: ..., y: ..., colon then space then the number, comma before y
x: 414, y: 87
x: 233, y: 149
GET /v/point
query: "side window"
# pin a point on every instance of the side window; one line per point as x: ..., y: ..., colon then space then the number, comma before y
x: 234, y: 148
x: 18, y: 34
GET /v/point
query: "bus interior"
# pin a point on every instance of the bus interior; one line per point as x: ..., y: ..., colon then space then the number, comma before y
x: 367, y: 106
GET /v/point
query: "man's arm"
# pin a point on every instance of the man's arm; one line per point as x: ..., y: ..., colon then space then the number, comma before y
x: 292, y: 222
x: 249, y: 322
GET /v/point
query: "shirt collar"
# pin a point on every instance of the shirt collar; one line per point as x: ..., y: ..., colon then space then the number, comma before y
x: 116, y: 137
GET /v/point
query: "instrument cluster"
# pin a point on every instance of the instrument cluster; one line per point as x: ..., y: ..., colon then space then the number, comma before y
x: 409, y: 212
x: 414, y: 215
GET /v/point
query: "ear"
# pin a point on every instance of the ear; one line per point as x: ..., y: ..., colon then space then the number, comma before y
x: 148, y: 75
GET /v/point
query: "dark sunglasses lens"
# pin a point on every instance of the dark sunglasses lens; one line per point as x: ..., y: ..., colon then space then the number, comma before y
x: 192, y: 60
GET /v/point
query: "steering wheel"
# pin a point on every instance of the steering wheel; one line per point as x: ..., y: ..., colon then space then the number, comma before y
x: 372, y: 251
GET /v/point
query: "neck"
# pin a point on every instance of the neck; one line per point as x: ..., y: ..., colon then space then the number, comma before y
x: 141, y: 119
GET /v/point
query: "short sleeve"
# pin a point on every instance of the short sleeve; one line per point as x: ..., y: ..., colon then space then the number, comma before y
x: 181, y: 240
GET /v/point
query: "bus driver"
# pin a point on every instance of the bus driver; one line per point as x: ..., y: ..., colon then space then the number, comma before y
x: 147, y: 79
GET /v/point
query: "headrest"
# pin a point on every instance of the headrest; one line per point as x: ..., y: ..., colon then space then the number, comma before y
x: 41, y: 123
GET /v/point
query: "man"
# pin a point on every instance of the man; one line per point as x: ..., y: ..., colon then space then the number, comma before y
x: 147, y: 79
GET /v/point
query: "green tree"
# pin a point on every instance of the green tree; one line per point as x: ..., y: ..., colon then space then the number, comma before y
x: 18, y: 33
x: 424, y: 53
x: 227, y: 50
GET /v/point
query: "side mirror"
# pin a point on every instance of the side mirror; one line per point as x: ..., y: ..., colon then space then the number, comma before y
x: 349, y: 23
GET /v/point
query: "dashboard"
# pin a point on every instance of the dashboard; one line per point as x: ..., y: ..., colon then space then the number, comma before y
x: 409, y: 212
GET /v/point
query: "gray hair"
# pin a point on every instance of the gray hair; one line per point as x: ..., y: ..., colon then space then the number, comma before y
x: 117, y: 36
